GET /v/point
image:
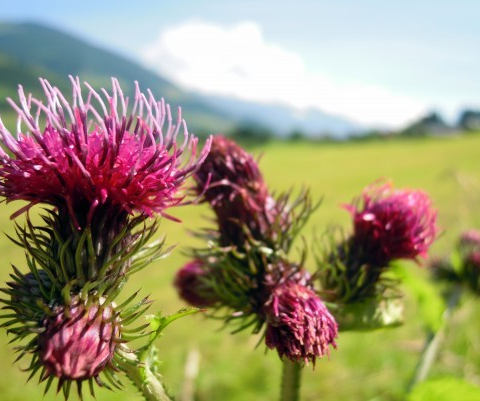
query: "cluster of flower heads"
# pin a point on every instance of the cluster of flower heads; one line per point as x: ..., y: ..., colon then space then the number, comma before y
x: 246, y: 271
x: 388, y: 224
x: 103, y: 166
x: 463, y: 267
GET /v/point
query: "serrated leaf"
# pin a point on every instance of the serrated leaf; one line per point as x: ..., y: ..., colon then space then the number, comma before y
x: 445, y: 388
x: 370, y: 315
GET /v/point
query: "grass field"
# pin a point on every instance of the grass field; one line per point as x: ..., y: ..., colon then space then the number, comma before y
x: 366, y: 366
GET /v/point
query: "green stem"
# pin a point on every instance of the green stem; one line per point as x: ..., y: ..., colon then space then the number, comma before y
x: 147, y: 382
x: 433, y: 341
x: 291, y: 381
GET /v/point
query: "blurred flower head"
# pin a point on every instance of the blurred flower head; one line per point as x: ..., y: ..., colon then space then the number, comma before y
x: 470, y: 239
x: 190, y: 282
x: 299, y: 326
x: 96, y: 152
x: 392, y: 224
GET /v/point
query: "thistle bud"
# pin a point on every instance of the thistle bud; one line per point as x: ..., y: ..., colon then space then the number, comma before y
x: 192, y: 286
x: 299, y: 325
x: 232, y: 183
x: 78, y: 342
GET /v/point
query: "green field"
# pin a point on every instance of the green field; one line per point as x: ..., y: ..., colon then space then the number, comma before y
x: 366, y: 366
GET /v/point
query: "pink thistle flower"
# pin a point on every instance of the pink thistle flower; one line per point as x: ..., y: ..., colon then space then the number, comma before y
x: 96, y: 152
x: 470, y: 238
x: 392, y: 224
x: 299, y: 326
x: 233, y: 185
x: 78, y: 342
x: 191, y: 285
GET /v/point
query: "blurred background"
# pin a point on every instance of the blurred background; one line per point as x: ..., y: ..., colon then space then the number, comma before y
x: 333, y: 95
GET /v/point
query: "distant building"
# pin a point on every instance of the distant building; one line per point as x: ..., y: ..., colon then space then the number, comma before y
x: 431, y: 124
x: 469, y: 120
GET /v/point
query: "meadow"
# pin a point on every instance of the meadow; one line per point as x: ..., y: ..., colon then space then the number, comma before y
x: 367, y: 365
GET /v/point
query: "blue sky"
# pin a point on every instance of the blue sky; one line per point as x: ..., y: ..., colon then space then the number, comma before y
x: 376, y: 62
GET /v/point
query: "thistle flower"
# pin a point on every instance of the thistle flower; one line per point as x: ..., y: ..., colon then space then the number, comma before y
x: 392, y: 224
x: 96, y: 154
x: 388, y: 225
x: 463, y: 267
x: 192, y: 286
x: 231, y: 182
x: 470, y: 239
x: 104, y: 168
x: 299, y: 326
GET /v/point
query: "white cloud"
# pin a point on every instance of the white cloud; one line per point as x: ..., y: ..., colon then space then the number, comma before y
x: 238, y: 61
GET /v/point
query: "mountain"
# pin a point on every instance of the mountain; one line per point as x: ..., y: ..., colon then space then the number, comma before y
x: 31, y: 50
x: 283, y: 119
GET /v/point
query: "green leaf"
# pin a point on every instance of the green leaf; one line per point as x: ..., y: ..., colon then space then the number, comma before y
x: 158, y: 322
x: 430, y: 303
x: 446, y: 388
x: 457, y: 262
x: 370, y: 315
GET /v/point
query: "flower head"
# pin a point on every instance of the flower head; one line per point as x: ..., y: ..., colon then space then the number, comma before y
x: 78, y: 342
x: 470, y: 239
x: 96, y: 153
x: 392, y: 224
x: 191, y: 285
x: 233, y: 185
x: 299, y: 326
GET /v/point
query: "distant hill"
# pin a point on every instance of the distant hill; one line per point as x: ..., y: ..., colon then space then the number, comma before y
x: 283, y: 119
x: 30, y: 50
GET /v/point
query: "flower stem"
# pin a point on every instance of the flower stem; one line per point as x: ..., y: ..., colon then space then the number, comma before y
x: 290, y: 381
x: 432, y: 343
x: 147, y: 382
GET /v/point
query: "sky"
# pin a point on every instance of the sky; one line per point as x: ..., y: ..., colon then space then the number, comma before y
x: 376, y: 62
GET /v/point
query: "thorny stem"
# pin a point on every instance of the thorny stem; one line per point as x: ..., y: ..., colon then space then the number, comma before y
x: 433, y: 341
x: 290, y: 381
x: 147, y: 382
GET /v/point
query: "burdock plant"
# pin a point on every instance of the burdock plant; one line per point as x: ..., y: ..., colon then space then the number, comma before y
x: 245, y: 275
x: 103, y: 167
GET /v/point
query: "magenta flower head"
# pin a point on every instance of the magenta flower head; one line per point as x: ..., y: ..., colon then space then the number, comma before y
x: 299, y: 326
x: 231, y: 182
x: 470, y: 239
x: 462, y: 268
x: 78, y: 342
x: 388, y: 224
x: 192, y: 284
x: 96, y: 154
x: 392, y: 224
